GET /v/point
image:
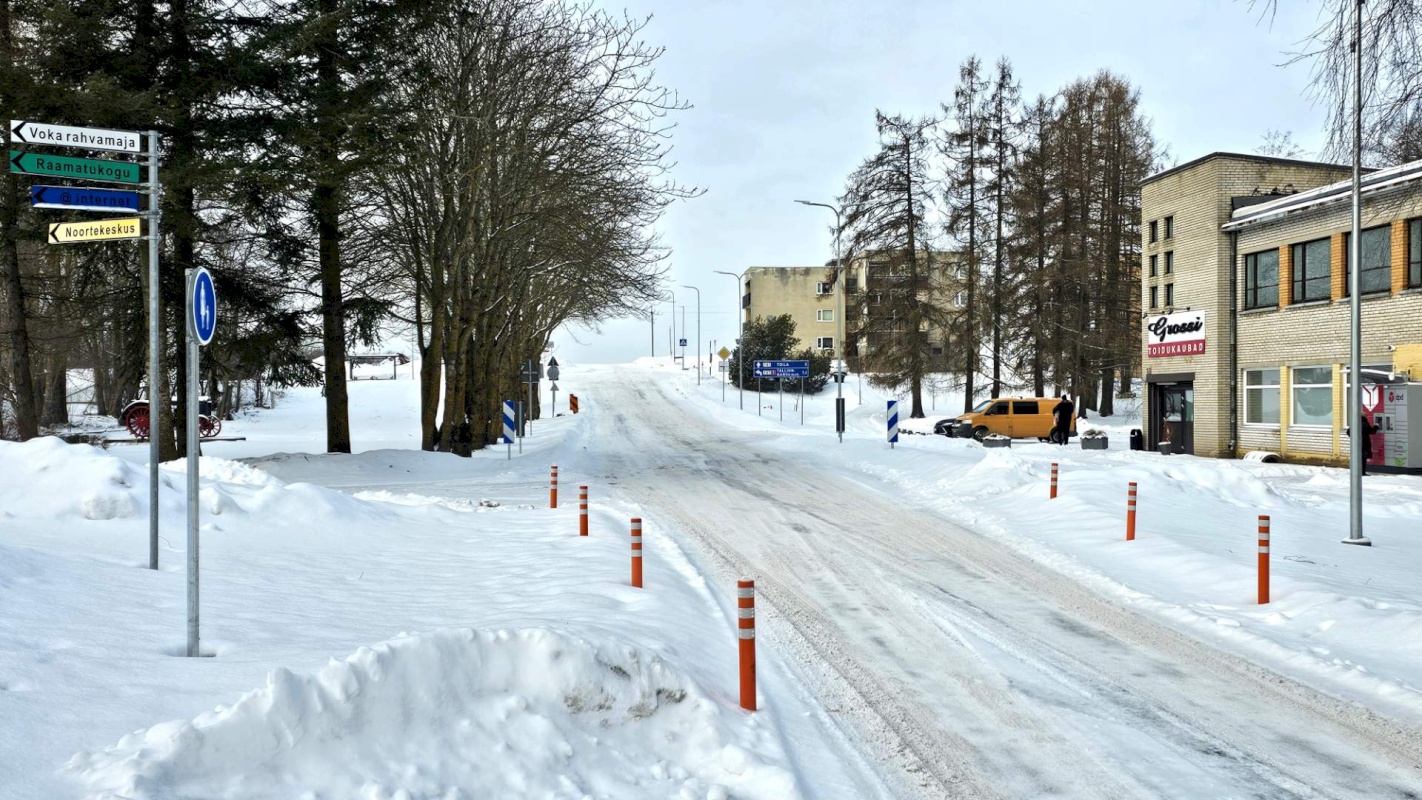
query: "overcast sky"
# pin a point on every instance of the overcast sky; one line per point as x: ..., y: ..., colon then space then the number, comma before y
x: 784, y: 94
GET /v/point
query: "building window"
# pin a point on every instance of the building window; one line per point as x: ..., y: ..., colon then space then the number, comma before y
x: 1153, y: 233
x: 1169, y: 261
x: 1311, y: 267
x: 960, y: 299
x: 1312, y: 392
x: 825, y: 343
x: 1414, y: 253
x: 1153, y: 272
x: 1376, y: 257
x: 1170, y: 228
x: 1154, y: 297
x: 823, y: 287
x: 1261, y: 279
x: 937, y: 351
x: 824, y: 315
x: 1169, y: 295
x: 851, y: 285
x: 1261, y: 397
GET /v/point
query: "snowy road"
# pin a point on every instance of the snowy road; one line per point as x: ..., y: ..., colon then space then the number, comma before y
x: 967, y: 670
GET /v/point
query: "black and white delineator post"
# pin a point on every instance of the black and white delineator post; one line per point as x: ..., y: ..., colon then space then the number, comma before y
x: 509, y: 426
x: 202, y: 323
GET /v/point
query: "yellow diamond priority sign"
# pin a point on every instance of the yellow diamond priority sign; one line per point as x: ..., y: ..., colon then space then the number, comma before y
x: 724, y: 353
x: 94, y: 231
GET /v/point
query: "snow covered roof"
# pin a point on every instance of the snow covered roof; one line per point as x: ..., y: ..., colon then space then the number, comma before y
x: 1372, y: 183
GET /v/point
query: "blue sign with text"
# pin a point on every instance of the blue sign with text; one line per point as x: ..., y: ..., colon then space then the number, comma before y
x: 83, y: 198
x: 781, y: 369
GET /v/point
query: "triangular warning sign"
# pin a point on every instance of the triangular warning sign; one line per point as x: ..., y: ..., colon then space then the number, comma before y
x: 553, y: 362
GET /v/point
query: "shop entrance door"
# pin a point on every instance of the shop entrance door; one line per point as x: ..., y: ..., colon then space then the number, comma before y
x: 1174, y: 415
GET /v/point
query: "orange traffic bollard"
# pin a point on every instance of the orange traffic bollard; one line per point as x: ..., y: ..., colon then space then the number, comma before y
x: 582, y: 511
x: 637, y: 552
x: 1131, y: 511
x: 1053, y: 495
x: 745, y: 633
x: 553, y: 488
x: 1263, y: 559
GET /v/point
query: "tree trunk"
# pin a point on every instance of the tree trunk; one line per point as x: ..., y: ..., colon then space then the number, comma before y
x: 326, y: 205
x: 22, y: 373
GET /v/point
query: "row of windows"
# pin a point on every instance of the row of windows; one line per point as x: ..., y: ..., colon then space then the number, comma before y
x: 851, y: 285
x: 1169, y: 296
x: 1169, y: 229
x: 1169, y: 263
x: 1312, y: 265
x: 1310, y: 396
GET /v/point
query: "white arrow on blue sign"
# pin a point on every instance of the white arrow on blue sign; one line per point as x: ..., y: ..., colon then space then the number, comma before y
x: 204, y: 319
x: 780, y: 369
x: 893, y: 421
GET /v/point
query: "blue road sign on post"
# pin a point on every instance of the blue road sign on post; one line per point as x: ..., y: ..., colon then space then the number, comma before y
x: 893, y: 422
x: 681, y: 342
x: 204, y: 319
x: 83, y: 198
x: 781, y: 369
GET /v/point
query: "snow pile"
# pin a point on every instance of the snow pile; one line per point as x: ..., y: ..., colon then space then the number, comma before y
x: 48, y: 478
x: 452, y: 714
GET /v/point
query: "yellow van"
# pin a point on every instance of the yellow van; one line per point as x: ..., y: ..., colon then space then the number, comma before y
x: 1016, y: 417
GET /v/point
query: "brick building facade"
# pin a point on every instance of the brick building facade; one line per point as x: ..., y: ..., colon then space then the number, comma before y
x: 1257, y: 245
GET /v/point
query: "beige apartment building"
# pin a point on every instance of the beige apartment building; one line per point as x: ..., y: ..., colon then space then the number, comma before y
x: 805, y: 294
x: 1245, y: 336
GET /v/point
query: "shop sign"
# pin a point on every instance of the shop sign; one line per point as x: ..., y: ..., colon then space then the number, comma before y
x: 1178, y: 334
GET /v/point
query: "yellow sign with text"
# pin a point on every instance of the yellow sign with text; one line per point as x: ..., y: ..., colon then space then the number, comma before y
x: 98, y: 230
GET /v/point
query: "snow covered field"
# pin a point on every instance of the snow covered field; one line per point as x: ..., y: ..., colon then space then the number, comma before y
x: 403, y: 624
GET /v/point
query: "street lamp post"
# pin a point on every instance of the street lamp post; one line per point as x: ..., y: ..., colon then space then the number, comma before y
x: 839, y: 320
x: 740, y: 328
x: 698, y: 332
x: 671, y: 342
x: 1355, y: 303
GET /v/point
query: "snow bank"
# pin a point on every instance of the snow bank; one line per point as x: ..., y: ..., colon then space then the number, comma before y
x: 453, y: 714
x: 47, y: 478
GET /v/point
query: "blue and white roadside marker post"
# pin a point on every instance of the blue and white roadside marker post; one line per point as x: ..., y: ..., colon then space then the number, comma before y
x: 893, y: 423
x: 202, y: 323
x: 509, y: 426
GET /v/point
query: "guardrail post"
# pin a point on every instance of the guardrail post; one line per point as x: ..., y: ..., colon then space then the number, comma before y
x: 1131, y: 511
x: 1263, y: 559
x: 582, y: 511
x: 637, y: 552
x: 553, y: 487
x: 1053, y: 494
x: 745, y: 635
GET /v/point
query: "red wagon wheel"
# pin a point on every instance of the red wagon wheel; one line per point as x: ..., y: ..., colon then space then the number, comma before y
x: 209, y: 426
x: 137, y: 421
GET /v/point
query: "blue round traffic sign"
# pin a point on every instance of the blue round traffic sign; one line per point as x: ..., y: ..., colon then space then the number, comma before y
x: 204, y: 307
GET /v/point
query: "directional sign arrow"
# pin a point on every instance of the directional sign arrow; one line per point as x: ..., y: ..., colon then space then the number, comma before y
x: 69, y: 136
x: 92, y: 169
x: 97, y: 231
x: 83, y: 198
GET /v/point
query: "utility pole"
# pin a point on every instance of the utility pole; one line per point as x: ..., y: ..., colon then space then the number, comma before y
x: 698, y: 330
x: 839, y: 321
x: 652, y: 313
x: 740, y: 329
x: 1355, y: 302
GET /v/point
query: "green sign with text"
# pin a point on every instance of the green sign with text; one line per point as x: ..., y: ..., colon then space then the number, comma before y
x: 88, y: 169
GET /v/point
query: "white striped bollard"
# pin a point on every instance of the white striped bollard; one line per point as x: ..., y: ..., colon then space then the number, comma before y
x: 637, y: 552
x: 745, y: 635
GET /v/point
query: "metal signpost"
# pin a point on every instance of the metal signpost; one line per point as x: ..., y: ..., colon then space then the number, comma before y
x: 88, y: 198
x: 202, y: 323
x: 553, y: 378
x: 509, y: 426
x: 532, y: 371
x: 724, y: 354
x: 893, y: 423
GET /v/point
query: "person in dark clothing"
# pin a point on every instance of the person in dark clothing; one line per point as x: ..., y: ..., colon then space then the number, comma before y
x: 1368, y: 429
x: 1063, y: 412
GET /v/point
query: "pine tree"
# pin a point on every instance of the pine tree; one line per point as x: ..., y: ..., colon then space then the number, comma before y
x: 966, y: 198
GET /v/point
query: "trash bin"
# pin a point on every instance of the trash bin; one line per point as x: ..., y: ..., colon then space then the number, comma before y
x: 1137, y: 439
x: 1166, y: 448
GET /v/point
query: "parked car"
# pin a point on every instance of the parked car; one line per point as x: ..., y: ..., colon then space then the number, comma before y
x: 1015, y: 417
x: 946, y: 427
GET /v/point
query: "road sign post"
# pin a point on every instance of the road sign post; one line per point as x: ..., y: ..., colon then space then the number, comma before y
x: 553, y: 379
x: 893, y: 423
x: 201, y: 301
x: 154, y: 429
